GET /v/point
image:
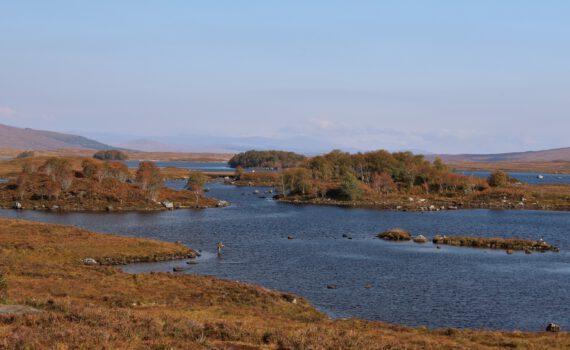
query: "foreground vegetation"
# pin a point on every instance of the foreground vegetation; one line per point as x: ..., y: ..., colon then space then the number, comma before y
x: 83, y: 184
x: 101, y: 307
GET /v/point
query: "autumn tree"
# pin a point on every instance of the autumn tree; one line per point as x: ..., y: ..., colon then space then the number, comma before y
x: 195, y: 183
x: 117, y: 170
x: 298, y: 181
x: 383, y: 183
x: 149, y: 178
x: 59, y: 171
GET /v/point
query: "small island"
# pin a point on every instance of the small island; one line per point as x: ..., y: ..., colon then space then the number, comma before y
x: 400, y: 181
x: 84, y: 184
x: 508, y: 244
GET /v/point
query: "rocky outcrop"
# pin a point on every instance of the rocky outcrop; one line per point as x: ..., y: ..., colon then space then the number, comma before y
x: 395, y: 235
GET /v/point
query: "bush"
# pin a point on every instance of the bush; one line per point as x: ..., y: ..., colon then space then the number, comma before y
x: 498, y: 179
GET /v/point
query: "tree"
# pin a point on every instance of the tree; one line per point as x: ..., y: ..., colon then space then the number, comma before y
x: 439, y: 164
x: 195, y: 183
x: 117, y: 170
x: 149, y: 178
x: 238, y: 172
x: 22, y: 182
x: 59, y: 171
x: 383, y: 183
x: 350, y: 187
x: 298, y: 180
x: 498, y: 179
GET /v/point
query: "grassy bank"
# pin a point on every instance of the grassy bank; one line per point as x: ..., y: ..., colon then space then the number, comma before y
x: 101, y: 307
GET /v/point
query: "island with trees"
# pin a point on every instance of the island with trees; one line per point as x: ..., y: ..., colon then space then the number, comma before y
x: 84, y: 184
x: 400, y: 181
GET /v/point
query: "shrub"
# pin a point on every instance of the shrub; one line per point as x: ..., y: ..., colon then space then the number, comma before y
x: 498, y: 179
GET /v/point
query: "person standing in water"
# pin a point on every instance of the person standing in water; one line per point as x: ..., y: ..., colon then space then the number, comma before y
x: 220, y: 245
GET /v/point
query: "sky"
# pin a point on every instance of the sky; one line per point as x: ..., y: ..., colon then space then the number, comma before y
x: 480, y: 76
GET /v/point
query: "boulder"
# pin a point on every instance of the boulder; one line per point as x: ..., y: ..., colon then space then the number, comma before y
x: 553, y: 327
x: 168, y: 205
x: 222, y: 204
x: 90, y: 262
x: 17, y: 205
x: 420, y: 239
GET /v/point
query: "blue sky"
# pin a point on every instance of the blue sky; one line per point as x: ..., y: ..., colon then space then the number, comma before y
x: 442, y: 76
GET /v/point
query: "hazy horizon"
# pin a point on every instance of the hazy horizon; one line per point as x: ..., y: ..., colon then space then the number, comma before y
x: 437, y: 76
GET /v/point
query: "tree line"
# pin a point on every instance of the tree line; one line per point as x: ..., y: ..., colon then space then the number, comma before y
x: 266, y: 159
x: 340, y: 174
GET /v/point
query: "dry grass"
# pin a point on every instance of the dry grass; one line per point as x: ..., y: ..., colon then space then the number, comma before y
x: 103, y: 308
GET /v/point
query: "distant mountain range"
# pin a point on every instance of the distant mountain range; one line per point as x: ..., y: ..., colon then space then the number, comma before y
x: 557, y: 154
x: 31, y: 139
x: 18, y: 138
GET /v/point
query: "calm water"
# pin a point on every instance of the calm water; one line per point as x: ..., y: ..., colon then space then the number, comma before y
x: 202, y: 166
x: 527, y: 177
x: 411, y: 284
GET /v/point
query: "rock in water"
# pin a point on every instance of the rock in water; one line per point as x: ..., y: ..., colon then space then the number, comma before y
x: 553, y: 327
x: 420, y: 239
x: 168, y: 205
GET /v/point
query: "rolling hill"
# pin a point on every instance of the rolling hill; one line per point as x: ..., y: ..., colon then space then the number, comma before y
x: 18, y: 138
x: 557, y: 154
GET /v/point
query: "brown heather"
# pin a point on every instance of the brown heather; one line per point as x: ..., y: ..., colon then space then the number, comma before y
x: 100, y: 307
